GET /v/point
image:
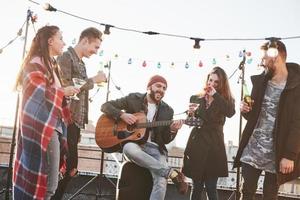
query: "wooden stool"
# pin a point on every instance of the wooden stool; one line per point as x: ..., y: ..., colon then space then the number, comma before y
x: 134, y: 182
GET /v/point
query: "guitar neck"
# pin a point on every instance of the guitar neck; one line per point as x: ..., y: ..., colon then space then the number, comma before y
x: 154, y: 124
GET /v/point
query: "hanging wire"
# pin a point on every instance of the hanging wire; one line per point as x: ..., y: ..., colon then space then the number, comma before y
x: 233, y: 73
x: 98, y: 89
x: 91, y: 99
x: 32, y: 20
x: 117, y: 87
x: 181, y: 113
x: 164, y: 34
x: 14, y: 39
x: 158, y: 33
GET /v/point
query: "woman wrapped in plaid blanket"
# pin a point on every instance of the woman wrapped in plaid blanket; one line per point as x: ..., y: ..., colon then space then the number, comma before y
x: 41, y: 143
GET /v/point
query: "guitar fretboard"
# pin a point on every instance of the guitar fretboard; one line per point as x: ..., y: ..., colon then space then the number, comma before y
x: 154, y: 124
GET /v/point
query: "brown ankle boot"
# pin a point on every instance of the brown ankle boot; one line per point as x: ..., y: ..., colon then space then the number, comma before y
x: 181, y: 185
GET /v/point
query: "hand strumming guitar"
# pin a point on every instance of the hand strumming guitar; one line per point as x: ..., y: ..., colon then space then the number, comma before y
x: 128, y: 118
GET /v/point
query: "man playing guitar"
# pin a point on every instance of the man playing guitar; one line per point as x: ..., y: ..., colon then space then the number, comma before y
x: 150, y: 152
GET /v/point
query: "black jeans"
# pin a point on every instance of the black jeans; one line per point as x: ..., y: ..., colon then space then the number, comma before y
x: 251, y: 176
x: 210, y: 186
x: 73, y: 139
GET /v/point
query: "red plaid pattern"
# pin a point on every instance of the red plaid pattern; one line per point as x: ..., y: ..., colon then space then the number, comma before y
x: 41, y: 106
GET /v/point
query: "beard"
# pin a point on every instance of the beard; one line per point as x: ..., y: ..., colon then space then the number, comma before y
x: 270, y: 69
x: 269, y: 73
x: 156, y: 96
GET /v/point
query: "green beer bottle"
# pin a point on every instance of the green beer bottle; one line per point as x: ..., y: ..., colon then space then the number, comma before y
x: 247, y: 98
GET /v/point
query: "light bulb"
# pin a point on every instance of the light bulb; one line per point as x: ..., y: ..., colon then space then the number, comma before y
x: 214, y: 61
x: 172, y: 65
x: 200, y: 64
x: 129, y: 61
x: 186, y: 65
x: 272, y: 52
x: 144, y: 64
x: 158, y: 65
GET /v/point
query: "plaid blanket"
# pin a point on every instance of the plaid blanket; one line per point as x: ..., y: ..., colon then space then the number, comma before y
x: 41, y: 106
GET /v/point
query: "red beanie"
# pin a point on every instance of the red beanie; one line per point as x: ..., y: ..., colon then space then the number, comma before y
x: 155, y: 79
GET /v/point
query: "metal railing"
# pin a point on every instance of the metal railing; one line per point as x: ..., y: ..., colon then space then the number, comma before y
x: 91, y: 154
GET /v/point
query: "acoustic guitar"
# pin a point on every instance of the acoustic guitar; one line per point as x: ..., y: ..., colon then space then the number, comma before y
x: 111, y: 134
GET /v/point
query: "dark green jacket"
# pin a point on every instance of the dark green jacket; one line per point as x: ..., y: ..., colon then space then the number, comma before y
x: 287, y: 125
x: 134, y: 103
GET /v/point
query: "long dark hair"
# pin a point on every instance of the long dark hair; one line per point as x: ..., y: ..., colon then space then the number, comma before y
x: 39, y: 48
x: 223, y: 87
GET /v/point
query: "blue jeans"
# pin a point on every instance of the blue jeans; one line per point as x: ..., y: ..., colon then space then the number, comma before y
x: 210, y: 186
x: 148, y: 156
x: 251, y: 176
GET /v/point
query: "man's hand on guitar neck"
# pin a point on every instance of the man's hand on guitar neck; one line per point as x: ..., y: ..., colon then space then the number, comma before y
x: 128, y: 118
x: 176, y: 125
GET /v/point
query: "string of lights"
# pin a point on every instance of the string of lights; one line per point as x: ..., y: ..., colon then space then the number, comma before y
x: 19, y: 33
x: 195, y: 62
x: 107, y: 31
x: 197, y: 40
x: 33, y: 19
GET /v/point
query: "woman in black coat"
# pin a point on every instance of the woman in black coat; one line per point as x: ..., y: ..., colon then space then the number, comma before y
x: 205, y: 156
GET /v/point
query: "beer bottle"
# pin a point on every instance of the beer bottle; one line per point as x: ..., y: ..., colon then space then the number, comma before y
x: 247, y: 97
